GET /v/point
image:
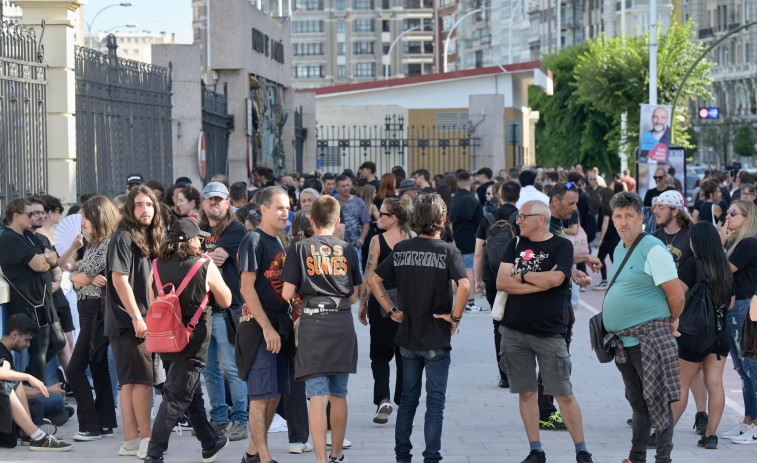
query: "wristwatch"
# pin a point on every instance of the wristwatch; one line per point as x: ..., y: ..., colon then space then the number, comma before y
x: 389, y: 313
x: 523, y: 275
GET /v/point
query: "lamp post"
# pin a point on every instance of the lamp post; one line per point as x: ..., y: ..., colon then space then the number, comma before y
x: 388, y: 56
x: 449, y: 34
x: 89, y: 24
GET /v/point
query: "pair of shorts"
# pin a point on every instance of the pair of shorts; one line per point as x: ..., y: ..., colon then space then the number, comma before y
x: 468, y: 261
x: 269, y: 374
x: 521, y: 351
x: 334, y: 385
x: 10, y: 386
x: 722, y: 349
x: 133, y: 362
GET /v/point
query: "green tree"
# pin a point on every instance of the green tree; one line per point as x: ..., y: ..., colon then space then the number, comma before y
x: 744, y: 141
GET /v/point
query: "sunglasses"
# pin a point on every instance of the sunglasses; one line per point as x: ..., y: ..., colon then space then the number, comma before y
x: 658, y: 178
x: 384, y: 214
x: 732, y: 212
x: 36, y: 214
x: 523, y: 217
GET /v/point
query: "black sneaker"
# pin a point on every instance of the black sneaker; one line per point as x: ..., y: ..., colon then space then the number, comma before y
x: 553, y: 423
x: 535, y: 456
x: 106, y: 432
x: 504, y: 383
x: 209, y: 456
x: 247, y: 458
x: 85, y: 436
x: 629, y: 422
x: 50, y: 444
x: 583, y: 457
x: 652, y: 442
x: 150, y: 459
x: 701, y: 420
x: 709, y: 442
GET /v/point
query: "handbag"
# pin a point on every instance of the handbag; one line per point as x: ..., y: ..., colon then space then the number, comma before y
x: 580, y: 241
x: 597, y: 329
x: 498, y: 308
x: 56, y: 337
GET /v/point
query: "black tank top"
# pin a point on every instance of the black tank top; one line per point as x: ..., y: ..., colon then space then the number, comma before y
x: 174, y: 271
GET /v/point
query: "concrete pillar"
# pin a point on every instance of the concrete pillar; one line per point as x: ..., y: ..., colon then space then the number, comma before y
x: 487, y: 113
x: 59, y: 17
x: 306, y: 101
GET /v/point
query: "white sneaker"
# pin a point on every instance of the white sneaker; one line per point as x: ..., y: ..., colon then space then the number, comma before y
x: 345, y: 445
x: 472, y: 307
x: 382, y: 413
x: 736, y: 431
x: 128, y: 448
x: 143, y: 444
x: 748, y: 437
x: 300, y: 447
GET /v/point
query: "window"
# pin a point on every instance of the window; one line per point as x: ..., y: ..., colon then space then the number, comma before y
x: 307, y: 27
x: 340, y: 5
x: 363, y: 48
x: 364, y: 70
x: 412, y: 4
x: 363, y: 4
x: 340, y: 26
x: 309, y: 72
x: 340, y: 49
x: 386, y: 4
x: 480, y: 59
x: 413, y: 46
x: 413, y: 69
x: 385, y: 26
x: 309, y: 5
x: 341, y: 71
x: 308, y: 49
x: 363, y: 25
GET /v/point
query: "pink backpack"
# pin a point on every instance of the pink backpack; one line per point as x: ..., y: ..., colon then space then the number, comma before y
x: 166, y: 332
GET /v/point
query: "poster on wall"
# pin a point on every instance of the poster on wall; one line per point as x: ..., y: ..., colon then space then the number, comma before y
x: 655, y: 133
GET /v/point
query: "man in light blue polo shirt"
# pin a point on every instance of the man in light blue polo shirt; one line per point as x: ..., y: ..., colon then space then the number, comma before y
x: 642, y: 308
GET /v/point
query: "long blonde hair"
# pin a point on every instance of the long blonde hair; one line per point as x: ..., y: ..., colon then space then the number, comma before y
x: 749, y: 211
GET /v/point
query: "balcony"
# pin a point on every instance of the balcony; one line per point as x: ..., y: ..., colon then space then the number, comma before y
x: 706, y: 33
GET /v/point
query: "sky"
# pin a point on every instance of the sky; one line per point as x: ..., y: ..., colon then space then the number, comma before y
x: 152, y: 15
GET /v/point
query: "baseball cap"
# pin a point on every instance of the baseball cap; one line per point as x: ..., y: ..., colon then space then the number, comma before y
x: 185, y: 229
x: 134, y: 179
x: 407, y: 184
x: 672, y: 199
x: 217, y: 189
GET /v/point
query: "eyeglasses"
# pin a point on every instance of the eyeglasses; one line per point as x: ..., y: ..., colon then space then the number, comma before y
x: 523, y: 217
x: 658, y: 178
x: 384, y: 214
x: 36, y: 214
x: 732, y: 212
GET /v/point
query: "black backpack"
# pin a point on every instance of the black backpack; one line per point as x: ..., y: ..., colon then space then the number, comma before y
x: 498, y: 235
x: 698, y: 324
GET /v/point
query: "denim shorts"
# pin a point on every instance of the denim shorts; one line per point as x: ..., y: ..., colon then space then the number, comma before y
x: 333, y: 385
x: 468, y: 261
x: 269, y: 374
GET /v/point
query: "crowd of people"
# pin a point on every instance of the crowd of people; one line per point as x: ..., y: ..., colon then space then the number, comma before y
x: 264, y: 277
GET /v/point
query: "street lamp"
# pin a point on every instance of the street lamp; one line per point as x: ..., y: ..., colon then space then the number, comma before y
x: 449, y: 34
x: 388, y: 55
x: 89, y: 24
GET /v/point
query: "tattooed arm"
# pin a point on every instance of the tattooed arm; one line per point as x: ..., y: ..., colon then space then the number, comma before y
x: 365, y: 290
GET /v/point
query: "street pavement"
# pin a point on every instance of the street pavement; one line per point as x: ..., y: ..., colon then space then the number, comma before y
x: 481, y: 424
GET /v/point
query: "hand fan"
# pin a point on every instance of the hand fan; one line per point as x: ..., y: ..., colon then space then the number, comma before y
x: 66, y: 231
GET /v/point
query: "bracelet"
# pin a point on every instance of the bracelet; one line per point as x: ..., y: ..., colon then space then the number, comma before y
x: 453, y: 318
x: 135, y: 317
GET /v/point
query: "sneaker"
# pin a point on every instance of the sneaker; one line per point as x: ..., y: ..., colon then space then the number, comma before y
x: 154, y: 460
x: 84, y: 436
x: 471, y: 306
x: 142, y: 451
x: 535, y: 456
x: 209, y: 456
x: 129, y: 448
x: 48, y: 427
x: 582, y: 289
x: 601, y: 287
x: 184, y: 424
x: 247, y: 458
x: 338, y: 460
x: 220, y: 428
x: 709, y: 442
x: 749, y: 436
x: 26, y: 440
x: 700, y: 422
x: 554, y: 423
x: 106, y: 432
x: 652, y: 442
x: 345, y: 445
x: 237, y: 431
x: 485, y: 308
x: 382, y: 413
x: 629, y: 422
x: 300, y: 447
x: 736, y: 431
x: 50, y: 444
x: 583, y: 457
x: 504, y: 383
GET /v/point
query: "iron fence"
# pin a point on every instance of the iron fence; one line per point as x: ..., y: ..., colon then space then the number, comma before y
x: 123, y: 121
x: 23, y: 113
x: 439, y: 149
x: 216, y: 125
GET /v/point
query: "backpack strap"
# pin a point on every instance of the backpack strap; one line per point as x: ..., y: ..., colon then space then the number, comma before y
x: 158, y: 284
x: 490, y: 218
x: 195, y: 268
x: 196, y: 317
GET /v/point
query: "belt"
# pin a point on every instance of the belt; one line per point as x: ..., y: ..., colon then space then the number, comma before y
x: 83, y: 297
x: 307, y: 311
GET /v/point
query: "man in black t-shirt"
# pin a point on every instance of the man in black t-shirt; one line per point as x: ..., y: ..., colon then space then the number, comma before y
x: 484, y: 177
x: 128, y: 269
x: 26, y: 264
x: 661, y: 180
x: 423, y: 268
x: 674, y: 225
x: 264, y: 335
x: 422, y: 177
x: 535, y: 272
x: 466, y: 213
x: 325, y: 271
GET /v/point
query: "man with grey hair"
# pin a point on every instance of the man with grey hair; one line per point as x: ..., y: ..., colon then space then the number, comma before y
x: 641, y: 311
x: 535, y: 272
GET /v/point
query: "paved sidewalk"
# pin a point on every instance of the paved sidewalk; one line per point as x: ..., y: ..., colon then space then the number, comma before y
x: 482, y: 423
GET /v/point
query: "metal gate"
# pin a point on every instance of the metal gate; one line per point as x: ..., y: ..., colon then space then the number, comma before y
x: 23, y: 113
x: 439, y: 149
x: 216, y: 125
x: 123, y: 121
x: 300, y: 135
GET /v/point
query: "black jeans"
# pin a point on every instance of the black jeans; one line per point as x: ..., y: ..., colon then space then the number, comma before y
x: 633, y: 379
x: 181, y: 394
x: 296, y: 409
x: 490, y: 288
x: 103, y: 405
x: 383, y: 349
x: 547, y: 402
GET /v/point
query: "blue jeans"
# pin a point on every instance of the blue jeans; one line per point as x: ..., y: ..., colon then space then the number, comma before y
x: 221, y: 347
x: 436, y: 362
x: 746, y: 368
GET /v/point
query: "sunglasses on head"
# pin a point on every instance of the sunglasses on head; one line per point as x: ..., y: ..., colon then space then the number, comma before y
x: 732, y: 212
